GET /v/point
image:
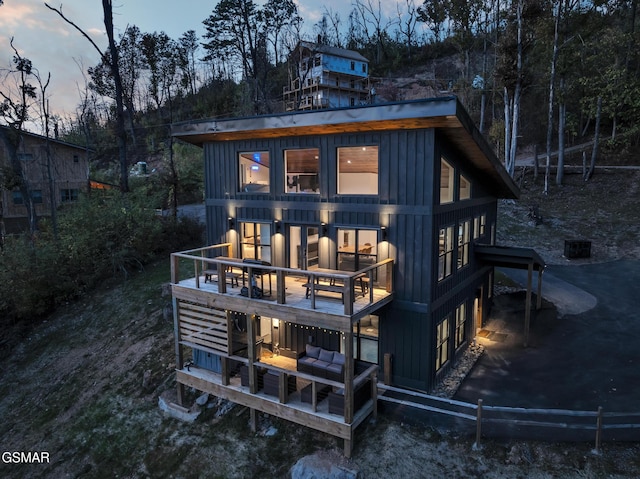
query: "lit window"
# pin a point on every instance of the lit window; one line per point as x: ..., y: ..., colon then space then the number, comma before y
x: 446, y: 182
x: 442, y: 343
x: 358, y: 170
x: 357, y: 249
x: 483, y: 223
x: 476, y: 227
x: 254, y: 172
x: 255, y: 241
x: 465, y: 188
x: 463, y: 243
x: 461, y: 318
x: 445, y: 252
x: 301, y: 168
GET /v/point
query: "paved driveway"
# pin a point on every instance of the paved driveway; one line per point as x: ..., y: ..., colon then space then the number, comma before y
x: 583, y: 354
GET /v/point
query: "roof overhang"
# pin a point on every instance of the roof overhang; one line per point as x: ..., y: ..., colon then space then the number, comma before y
x: 446, y: 115
x: 509, y: 257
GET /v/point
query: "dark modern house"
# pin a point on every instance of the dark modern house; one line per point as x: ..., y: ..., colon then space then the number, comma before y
x: 343, y: 247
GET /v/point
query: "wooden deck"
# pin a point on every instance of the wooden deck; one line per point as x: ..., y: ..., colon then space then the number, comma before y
x: 204, y: 308
x: 329, y: 308
x: 315, y: 416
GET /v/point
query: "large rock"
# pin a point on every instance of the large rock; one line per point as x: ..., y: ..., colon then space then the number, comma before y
x: 323, y: 465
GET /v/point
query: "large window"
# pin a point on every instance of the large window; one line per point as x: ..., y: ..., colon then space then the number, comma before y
x: 18, y: 199
x: 358, y: 170
x: 465, y: 188
x: 365, y: 339
x: 442, y: 343
x: 461, y: 319
x: 301, y: 168
x: 445, y: 252
x: 446, y: 182
x: 69, y: 194
x: 254, y: 172
x: 463, y: 243
x: 357, y: 249
x: 255, y: 241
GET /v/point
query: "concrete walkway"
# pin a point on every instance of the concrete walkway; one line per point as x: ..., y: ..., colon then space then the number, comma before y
x: 567, y: 298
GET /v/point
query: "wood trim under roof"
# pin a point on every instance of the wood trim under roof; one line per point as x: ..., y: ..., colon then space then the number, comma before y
x: 444, y: 114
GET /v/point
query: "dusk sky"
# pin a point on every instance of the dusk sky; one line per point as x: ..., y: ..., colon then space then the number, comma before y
x: 54, y: 46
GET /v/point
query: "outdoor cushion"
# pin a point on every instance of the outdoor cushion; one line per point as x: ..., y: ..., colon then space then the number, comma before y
x: 338, y: 358
x: 320, y: 364
x: 335, y: 368
x: 312, y: 351
x: 326, y: 356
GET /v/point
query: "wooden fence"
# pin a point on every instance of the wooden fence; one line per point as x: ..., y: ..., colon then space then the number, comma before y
x: 521, y: 423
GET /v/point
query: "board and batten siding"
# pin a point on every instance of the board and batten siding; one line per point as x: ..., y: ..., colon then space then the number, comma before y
x: 407, y: 204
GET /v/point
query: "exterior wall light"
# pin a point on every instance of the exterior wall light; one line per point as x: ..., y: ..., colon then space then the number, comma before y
x: 383, y: 231
x: 323, y: 229
x: 278, y: 225
x: 231, y: 222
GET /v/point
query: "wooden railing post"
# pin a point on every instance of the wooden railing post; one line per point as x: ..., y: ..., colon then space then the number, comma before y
x: 477, y: 445
x: 387, y: 369
x: 178, y: 350
x: 175, y: 269
x: 347, y: 294
x: 281, y: 287
x: 598, y: 431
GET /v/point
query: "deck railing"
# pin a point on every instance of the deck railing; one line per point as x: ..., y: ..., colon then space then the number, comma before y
x: 350, y: 285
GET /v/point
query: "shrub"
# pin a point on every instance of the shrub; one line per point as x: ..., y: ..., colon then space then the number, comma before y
x: 99, y: 237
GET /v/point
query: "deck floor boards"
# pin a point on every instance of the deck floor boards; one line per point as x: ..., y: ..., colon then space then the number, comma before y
x: 295, y: 295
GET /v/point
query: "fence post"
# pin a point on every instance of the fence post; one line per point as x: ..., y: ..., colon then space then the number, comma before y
x: 598, y: 431
x: 476, y: 445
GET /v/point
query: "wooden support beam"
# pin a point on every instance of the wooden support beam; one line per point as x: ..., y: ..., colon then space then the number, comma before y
x: 281, y: 287
x: 314, y: 396
x: 225, y: 373
x: 527, y: 312
x: 178, y: 350
x: 251, y: 353
x: 348, y: 448
x: 253, y: 419
x: 348, y: 378
x: 283, y: 387
x: 387, y: 369
x: 374, y: 393
x: 539, y: 298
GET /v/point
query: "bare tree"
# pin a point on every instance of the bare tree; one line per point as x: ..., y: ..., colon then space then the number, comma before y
x: 107, y: 8
x: 407, y: 21
x: 15, y: 109
x: 373, y: 24
x: 552, y: 81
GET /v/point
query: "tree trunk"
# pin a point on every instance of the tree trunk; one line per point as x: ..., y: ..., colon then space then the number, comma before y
x: 562, y: 116
x: 552, y: 80
x: 594, y: 152
x: 115, y: 71
x: 536, y: 166
x: 507, y: 128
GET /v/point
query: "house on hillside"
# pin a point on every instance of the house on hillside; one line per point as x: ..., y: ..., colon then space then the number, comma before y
x: 343, y: 247
x: 59, y: 181
x: 326, y: 77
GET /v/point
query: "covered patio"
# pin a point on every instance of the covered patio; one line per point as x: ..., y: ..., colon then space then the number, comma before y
x: 518, y: 258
